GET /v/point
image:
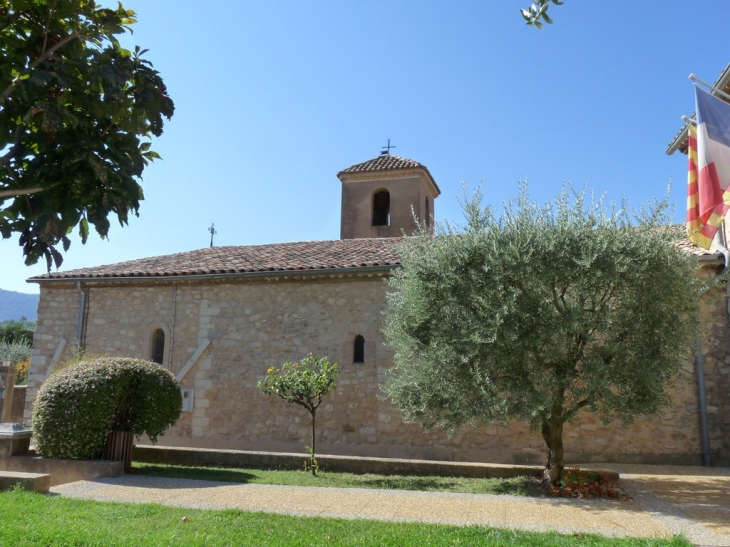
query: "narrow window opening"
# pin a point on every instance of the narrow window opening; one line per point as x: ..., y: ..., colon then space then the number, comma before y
x: 428, y: 214
x: 381, y: 208
x: 157, y: 353
x: 359, y: 353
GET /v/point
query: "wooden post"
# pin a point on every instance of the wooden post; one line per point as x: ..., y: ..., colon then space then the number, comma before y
x: 7, y: 384
x: 119, y: 445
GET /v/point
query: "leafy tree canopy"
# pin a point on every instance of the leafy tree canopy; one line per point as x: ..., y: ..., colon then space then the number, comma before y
x: 77, y: 112
x: 536, y: 14
x: 538, y: 313
x: 17, y: 331
x: 305, y: 384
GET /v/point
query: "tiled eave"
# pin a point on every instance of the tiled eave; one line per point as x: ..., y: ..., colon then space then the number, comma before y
x: 680, y: 139
x: 281, y: 275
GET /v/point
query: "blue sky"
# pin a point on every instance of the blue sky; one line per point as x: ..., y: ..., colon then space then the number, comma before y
x: 274, y: 98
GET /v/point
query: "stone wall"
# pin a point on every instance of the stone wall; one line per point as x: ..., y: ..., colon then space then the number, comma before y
x: 716, y: 356
x: 224, y: 335
x: 407, y: 195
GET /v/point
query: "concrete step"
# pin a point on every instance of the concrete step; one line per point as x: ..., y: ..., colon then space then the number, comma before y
x: 34, y: 482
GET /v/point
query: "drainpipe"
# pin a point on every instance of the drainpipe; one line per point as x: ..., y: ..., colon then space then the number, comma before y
x: 700, y: 373
x: 80, y: 320
x: 726, y: 254
x: 172, y: 328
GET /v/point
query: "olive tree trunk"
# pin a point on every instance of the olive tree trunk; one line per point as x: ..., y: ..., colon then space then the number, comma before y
x: 552, y: 432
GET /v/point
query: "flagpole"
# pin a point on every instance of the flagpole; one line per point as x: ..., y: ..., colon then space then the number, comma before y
x: 712, y: 87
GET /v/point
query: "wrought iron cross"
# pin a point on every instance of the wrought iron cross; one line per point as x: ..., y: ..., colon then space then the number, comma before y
x: 212, y: 231
x: 386, y: 149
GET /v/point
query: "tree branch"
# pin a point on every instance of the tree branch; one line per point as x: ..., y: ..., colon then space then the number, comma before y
x: 22, y: 192
x: 556, y: 303
x: 48, y: 25
x: 562, y: 297
x: 41, y: 59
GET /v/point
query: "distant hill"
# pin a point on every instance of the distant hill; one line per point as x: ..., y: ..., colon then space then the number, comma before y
x: 14, y: 305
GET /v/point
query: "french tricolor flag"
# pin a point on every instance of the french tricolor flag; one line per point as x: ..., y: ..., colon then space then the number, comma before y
x: 708, y: 195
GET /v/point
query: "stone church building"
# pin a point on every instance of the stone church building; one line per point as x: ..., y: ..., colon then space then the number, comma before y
x: 219, y: 317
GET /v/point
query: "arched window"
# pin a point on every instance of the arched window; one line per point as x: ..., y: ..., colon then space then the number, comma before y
x: 359, y: 350
x: 381, y: 208
x: 428, y: 213
x: 157, y: 347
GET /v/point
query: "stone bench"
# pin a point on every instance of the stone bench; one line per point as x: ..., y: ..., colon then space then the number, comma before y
x: 34, y: 482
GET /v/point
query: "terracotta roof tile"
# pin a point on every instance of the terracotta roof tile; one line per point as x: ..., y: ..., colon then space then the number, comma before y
x: 285, y: 258
x: 388, y: 162
x: 688, y: 246
x: 680, y: 232
x: 277, y: 257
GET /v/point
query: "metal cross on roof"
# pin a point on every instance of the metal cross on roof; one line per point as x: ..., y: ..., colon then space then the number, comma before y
x: 212, y: 231
x: 386, y: 149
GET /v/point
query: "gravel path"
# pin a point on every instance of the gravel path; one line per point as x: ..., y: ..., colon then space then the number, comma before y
x: 656, y: 511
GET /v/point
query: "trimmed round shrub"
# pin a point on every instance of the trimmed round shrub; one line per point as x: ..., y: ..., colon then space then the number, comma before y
x: 80, y: 405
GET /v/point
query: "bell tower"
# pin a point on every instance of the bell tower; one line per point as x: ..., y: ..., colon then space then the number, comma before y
x: 378, y: 196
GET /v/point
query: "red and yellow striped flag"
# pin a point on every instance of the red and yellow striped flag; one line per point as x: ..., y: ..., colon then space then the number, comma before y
x: 699, y: 232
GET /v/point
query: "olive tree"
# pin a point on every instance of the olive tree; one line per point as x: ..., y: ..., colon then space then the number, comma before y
x: 77, y: 114
x: 538, y: 314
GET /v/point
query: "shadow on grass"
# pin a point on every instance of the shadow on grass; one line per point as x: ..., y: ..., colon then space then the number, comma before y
x: 519, y: 486
x: 196, y: 473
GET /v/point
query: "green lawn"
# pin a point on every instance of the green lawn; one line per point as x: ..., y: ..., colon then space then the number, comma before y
x: 37, y: 520
x: 521, y: 486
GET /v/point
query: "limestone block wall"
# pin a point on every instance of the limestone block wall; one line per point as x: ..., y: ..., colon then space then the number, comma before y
x: 222, y: 336
x: 716, y: 356
x: 54, y: 337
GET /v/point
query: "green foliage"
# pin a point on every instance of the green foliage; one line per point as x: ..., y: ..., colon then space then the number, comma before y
x: 304, y: 384
x: 77, y: 407
x: 77, y: 112
x: 539, y: 313
x: 15, y: 352
x: 21, y: 372
x: 17, y: 331
x: 537, y: 12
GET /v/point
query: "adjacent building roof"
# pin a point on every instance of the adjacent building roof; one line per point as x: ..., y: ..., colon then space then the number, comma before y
x: 388, y: 162
x: 309, y: 256
x: 679, y: 142
x: 689, y: 247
